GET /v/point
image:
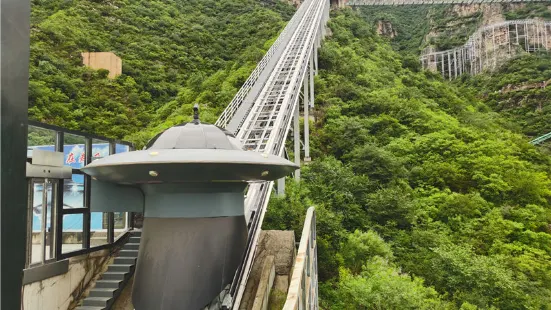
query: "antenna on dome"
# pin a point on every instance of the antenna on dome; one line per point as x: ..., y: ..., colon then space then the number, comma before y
x: 196, y: 120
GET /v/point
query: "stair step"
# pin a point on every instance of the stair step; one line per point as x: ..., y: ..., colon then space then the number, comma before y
x: 128, y: 253
x: 125, y: 261
x: 120, y: 268
x: 89, y: 308
x: 102, y: 292
x: 96, y: 301
x: 114, y: 275
x: 136, y: 233
x: 108, y: 284
x: 131, y: 246
x: 134, y: 239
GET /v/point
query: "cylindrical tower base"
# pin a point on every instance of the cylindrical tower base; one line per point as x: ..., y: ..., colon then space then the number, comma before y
x: 184, y: 263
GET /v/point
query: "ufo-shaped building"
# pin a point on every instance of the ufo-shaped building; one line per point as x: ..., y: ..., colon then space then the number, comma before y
x: 189, y: 183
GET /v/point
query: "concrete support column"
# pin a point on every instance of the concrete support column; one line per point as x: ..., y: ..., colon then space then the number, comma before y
x: 296, y: 132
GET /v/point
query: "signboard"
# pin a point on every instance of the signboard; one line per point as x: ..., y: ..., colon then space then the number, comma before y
x: 73, y: 190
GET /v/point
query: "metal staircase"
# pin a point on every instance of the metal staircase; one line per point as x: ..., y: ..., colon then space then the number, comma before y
x: 112, y: 282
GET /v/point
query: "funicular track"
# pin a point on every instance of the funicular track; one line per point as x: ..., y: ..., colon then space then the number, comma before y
x: 262, y: 111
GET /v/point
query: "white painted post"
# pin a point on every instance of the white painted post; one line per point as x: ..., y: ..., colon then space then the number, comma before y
x: 296, y: 129
x: 306, y: 103
x: 281, y: 187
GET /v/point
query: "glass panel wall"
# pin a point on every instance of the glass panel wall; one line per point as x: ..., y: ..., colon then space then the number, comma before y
x: 99, y: 228
x: 40, y: 137
x: 72, y: 237
x: 70, y: 226
x: 41, y: 236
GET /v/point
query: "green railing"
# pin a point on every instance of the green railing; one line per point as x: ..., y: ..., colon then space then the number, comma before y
x: 541, y: 139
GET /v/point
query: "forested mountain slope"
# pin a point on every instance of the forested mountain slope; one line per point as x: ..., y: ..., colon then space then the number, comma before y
x: 424, y: 200
x: 175, y: 53
x: 442, y: 27
x: 520, y: 90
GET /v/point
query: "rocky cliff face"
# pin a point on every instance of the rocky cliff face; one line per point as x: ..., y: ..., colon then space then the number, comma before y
x: 384, y: 28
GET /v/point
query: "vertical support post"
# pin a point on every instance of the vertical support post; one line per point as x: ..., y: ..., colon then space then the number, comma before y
x: 480, y: 58
x: 516, y: 33
x: 526, y: 45
x: 307, y: 92
x: 44, y: 220
x: 316, y: 59
x: 87, y: 194
x: 455, y: 63
x: 545, y: 36
x: 509, y: 39
x: 442, y: 60
x: 111, y: 215
x: 296, y: 137
x: 281, y: 187
x: 14, y: 76
x: 312, y: 80
x: 59, y: 140
x: 449, y: 66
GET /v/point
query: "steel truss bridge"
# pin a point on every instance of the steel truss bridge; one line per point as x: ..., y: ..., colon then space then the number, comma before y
x: 489, y: 47
x: 263, y: 111
x: 423, y: 2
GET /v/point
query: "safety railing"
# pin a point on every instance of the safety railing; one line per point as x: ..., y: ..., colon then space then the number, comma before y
x: 303, y: 290
x: 541, y: 139
x: 425, y: 2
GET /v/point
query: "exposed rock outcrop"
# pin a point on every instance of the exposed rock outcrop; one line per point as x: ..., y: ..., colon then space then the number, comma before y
x: 384, y: 28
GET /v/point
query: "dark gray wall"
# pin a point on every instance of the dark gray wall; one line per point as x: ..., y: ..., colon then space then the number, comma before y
x: 13, y: 146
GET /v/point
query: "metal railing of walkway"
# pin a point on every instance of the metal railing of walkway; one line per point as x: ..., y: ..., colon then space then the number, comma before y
x: 262, y: 112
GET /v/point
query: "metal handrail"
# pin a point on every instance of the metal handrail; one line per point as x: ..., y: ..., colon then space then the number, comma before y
x: 541, y: 139
x: 427, y: 2
x: 303, y: 290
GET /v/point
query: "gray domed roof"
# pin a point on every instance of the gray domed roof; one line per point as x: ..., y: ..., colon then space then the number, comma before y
x: 195, y: 135
x: 190, y: 152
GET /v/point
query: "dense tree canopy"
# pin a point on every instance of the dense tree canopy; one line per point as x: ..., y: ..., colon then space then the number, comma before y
x: 174, y: 54
x: 520, y: 90
x: 424, y: 199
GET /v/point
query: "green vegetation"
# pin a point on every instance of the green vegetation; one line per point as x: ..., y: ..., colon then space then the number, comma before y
x: 519, y: 91
x: 451, y: 27
x: 444, y: 27
x: 529, y: 10
x: 410, y: 22
x: 424, y: 199
x: 175, y: 54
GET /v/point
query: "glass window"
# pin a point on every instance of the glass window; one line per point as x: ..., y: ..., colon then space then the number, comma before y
x: 98, y: 228
x: 74, y: 151
x: 100, y: 149
x: 121, y: 223
x: 72, y: 232
x: 73, y: 192
x: 121, y: 148
x: 40, y: 138
x: 37, y: 246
